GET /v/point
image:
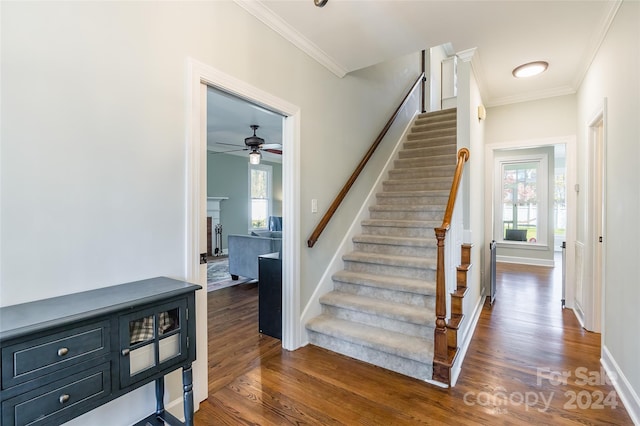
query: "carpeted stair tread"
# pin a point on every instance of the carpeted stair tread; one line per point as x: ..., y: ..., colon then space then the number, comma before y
x: 397, y: 223
x: 390, y: 260
x: 419, y: 182
x: 437, y: 114
x: 427, y: 149
x: 448, y: 122
x: 427, y: 208
x: 410, y: 285
x: 382, y: 308
x: 434, y: 160
x: 418, y: 126
x: 421, y: 142
x: 426, y: 193
x: 410, y: 347
x: 411, y: 172
x: 398, y: 241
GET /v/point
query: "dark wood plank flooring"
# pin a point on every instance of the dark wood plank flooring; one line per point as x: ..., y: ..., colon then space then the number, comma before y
x: 529, y: 362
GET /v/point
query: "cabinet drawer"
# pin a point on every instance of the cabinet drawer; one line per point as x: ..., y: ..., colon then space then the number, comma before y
x: 59, y: 401
x: 27, y: 360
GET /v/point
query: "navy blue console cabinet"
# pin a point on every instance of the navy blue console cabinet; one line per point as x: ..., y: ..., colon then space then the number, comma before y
x: 67, y: 355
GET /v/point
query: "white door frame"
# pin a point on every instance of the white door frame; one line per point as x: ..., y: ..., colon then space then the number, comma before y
x: 596, y: 222
x: 199, y: 74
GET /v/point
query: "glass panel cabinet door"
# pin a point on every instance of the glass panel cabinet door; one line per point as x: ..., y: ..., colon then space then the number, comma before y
x: 151, y: 339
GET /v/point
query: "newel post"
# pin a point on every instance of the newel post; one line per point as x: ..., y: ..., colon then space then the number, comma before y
x: 440, y: 346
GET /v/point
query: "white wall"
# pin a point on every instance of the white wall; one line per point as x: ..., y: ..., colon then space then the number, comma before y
x: 93, y: 141
x: 435, y: 55
x: 614, y: 75
x: 470, y: 134
x: 544, y: 118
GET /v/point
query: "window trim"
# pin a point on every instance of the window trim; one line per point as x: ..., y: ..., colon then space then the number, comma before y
x: 542, y: 189
x: 269, y: 170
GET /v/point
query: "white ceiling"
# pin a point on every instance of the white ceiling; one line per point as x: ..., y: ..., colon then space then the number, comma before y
x: 347, y: 35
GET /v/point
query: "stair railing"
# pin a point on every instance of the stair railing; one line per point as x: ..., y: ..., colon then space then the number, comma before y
x: 442, y: 360
x: 347, y: 186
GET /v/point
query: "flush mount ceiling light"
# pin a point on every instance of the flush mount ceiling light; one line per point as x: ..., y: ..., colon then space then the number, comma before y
x: 530, y: 69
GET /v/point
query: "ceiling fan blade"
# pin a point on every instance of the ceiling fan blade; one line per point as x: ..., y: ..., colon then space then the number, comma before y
x: 274, y: 151
x: 271, y: 146
x: 225, y: 152
x: 230, y: 144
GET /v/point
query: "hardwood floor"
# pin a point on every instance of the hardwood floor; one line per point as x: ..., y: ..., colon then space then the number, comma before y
x: 512, y: 374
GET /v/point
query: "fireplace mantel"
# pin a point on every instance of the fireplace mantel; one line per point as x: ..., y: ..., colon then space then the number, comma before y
x: 213, y: 208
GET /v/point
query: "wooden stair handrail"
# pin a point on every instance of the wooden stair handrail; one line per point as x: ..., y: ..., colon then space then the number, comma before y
x: 463, y: 157
x: 347, y: 186
x: 442, y: 359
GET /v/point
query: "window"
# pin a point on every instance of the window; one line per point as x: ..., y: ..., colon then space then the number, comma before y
x: 521, y: 199
x: 259, y: 196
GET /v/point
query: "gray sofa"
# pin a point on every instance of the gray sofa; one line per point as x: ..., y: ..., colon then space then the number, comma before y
x: 245, y: 249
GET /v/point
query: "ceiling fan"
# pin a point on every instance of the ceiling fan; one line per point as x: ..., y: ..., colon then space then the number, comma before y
x: 256, y: 144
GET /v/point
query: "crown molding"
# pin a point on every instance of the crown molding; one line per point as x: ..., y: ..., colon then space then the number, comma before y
x: 273, y: 21
x: 599, y: 35
x: 531, y: 96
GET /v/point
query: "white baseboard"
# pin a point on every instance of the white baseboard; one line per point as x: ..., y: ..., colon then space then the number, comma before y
x: 625, y: 391
x: 457, y: 367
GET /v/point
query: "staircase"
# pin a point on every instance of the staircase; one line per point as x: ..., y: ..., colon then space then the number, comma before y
x: 382, y: 308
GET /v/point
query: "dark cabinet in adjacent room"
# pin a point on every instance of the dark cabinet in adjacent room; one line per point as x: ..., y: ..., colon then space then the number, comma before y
x: 270, y: 294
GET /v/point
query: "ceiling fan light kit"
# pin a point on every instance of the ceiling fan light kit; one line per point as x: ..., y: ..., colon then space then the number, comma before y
x: 254, y: 142
x: 254, y: 157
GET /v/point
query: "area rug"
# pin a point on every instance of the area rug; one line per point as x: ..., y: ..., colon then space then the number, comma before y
x: 218, y: 275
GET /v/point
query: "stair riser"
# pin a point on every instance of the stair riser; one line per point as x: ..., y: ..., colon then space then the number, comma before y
x: 399, y: 271
x: 406, y: 215
x: 430, y: 143
x: 423, y: 172
x: 401, y: 186
x: 397, y: 231
x: 436, y: 124
x: 389, y: 199
x: 432, y: 117
x: 397, y: 205
x: 427, y: 151
x: 398, y: 326
x: 397, y: 250
x: 439, y: 160
x: 431, y: 134
x: 391, y: 362
x: 426, y: 301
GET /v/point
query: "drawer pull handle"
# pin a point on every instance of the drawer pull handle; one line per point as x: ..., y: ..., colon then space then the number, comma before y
x: 63, y: 398
x: 125, y: 352
x: 63, y: 351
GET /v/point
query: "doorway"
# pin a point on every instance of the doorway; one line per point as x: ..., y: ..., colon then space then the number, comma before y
x: 592, y: 294
x: 200, y: 76
x: 542, y: 246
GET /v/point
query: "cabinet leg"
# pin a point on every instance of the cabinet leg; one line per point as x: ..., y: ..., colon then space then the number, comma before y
x: 160, y: 396
x: 187, y: 384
